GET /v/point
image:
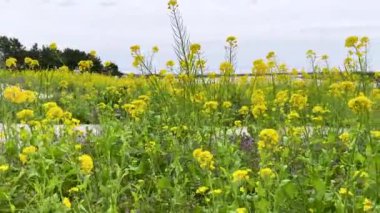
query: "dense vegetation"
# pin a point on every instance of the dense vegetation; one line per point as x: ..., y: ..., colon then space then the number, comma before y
x: 295, y: 142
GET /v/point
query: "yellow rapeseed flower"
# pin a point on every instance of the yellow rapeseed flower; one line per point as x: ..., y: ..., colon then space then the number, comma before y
x: 367, y: 205
x: 241, y: 210
x: 4, y: 167
x: 29, y: 150
x: 86, y: 163
x: 202, y: 190
x: 360, y: 104
x: 240, y: 175
x: 204, y: 158
x: 66, y: 202
x: 375, y: 134
x: 11, y: 62
x: 345, y: 192
x: 269, y: 139
x: 25, y: 114
x: 266, y: 173
x: 298, y: 101
x: 351, y: 41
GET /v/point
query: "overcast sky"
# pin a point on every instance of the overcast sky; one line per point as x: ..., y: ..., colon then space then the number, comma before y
x: 289, y: 27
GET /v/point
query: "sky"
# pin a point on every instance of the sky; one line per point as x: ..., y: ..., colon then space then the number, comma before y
x: 288, y: 27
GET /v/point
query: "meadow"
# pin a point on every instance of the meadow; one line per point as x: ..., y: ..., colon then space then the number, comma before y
x: 185, y: 140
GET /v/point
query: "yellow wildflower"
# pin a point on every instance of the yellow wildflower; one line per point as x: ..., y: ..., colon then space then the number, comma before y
x: 25, y: 114
x: 243, y: 110
x: 23, y: 158
x: 240, y: 175
x: 375, y: 134
x: 204, y: 158
x: 11, y: 62
x: 360, y: 104
x: 241, y: 210
x: 53, y: 46
x: 195, y: 48
x: 66, y: 202
x: 4, y: 167
x: 55, y: 113
x: 351, y: 41
x: 269, y: 139
x: 202, y: 190
x: 298, y: 101
x: 73, y: 189
x: 216, y: 191
x: 345, y: 192
x: 87, y: 163
x: 226, y: 68
x: 29, y: 150
x: 227, y: 104
x: 266, y: 173
x: 367, y: 205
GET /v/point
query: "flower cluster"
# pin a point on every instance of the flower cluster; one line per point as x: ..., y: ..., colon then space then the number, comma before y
x: 204, y: 158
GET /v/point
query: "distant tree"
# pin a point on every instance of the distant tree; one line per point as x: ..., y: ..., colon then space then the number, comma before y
x: 51, y: 59
x: 11, y: 47
x: 111, y: 68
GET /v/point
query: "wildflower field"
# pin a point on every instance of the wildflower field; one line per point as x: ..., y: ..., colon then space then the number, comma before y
x: 186, y: 140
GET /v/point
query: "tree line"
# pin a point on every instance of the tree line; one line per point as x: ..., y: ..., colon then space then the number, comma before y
x: 51, y: 58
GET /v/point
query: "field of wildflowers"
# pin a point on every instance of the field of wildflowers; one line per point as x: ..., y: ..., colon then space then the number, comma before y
x: 278, y: 140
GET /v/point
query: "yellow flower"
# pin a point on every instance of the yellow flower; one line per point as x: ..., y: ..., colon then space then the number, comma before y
x: 266, y: 173
x: 170, y: 64
x: 55, y: 113
x: 16, y: 95
x: 351, y: 41
x: 66, y: 202
x: 375, y: 134
x: 269, y: 139
x: 298, y: 101
x: 29, y: 150
x: 73, y: 189
x: 367, y: 205
x: 93, y: 53
x: 87, y: 163
x: 360, y: 104
x: 243, y: 110
x: 293, y: 115
x: 4, y: 167
x: 155, y: 49
x: 11, y: 62
x: 241, y: 210
x: 63, y: 69
x: 195, y: 48
x: 345, y: 192
x: 227, y: 104
x: 237, y: 123
x: 53, y: 46
x: 216, y: 191
x: 232, y: 41
x: 204, y: 158
x: 259, y: 67
x: 240, y: 175
x: 319, y: 110
x: 135, y: 49
x: 226, y: 68
x: 25, y: 114
x: 210, y: 106
x: 172, y: 4
x: 85, y: 65
x: 259, y: 110
x: 202, y: 190
x: 23, y: 158
x: 345, y: 137
x: 78, y: 146
x: 281, y: 98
